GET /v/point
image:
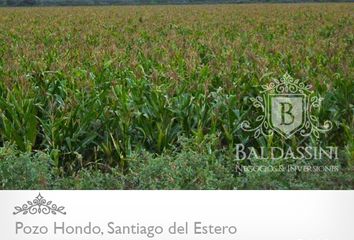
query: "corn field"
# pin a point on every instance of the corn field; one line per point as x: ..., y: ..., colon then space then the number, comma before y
x: 97, y: 87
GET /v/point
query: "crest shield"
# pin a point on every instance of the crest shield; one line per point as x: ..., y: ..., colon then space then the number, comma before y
x: 286, y: 113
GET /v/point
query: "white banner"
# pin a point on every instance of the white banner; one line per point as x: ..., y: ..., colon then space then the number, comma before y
x: 114, y: 215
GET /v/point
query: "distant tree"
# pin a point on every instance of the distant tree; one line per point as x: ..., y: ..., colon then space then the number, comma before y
x: 12, y: 2
x: 28, y: 2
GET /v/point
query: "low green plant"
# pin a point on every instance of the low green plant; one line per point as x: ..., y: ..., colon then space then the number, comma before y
x: 19, y: 170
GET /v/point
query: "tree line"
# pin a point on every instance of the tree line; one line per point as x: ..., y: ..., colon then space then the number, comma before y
x: 112, y: 2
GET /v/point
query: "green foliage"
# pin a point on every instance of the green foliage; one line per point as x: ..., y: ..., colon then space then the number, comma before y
x: 193, y: 166
x: 107, y: 93
x: 20, y: 170
x: 89, y: 179
x: 18, y: 119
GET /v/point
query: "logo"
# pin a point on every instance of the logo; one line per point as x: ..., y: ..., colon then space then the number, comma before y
x: 39, y: 206
x: 287, y: 106
x: 286, y: 113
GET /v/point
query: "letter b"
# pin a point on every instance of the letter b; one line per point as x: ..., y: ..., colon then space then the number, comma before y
x: 287, y: 117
